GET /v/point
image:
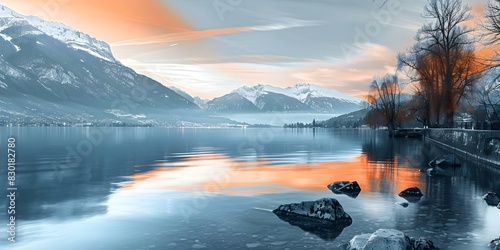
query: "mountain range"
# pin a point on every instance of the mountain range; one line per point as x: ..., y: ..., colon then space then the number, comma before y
x: 52, y: 73
x: 302, y: 97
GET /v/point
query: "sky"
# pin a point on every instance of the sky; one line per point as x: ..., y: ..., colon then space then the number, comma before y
x: 211, y: 47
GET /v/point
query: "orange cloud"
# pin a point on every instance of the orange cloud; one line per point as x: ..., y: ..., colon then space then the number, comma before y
x: 477, y: 12
x: 107, y: 20
x: 182, y: 36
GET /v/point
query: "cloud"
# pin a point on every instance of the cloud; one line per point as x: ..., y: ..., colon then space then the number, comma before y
x: 181, y: 36
x: 286, y: 23
x: 212, y: 78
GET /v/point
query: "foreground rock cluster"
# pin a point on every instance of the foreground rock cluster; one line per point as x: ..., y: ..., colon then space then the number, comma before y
x: 388, y: 239
x: 327, y: 218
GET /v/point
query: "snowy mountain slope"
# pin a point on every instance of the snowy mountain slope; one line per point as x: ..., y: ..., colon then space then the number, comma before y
x: 232, y: 103
x: 50, y: 73
x: 303, y: 91
x: 202, y: 103
x: 74, y: 38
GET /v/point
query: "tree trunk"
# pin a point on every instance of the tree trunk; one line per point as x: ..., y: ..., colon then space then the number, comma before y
x: 448, y: 119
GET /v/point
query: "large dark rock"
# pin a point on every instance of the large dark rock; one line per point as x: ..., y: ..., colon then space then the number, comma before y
x: 412, y: 194
x: 325, y: 209
x: 495, y: 244
x: 351, y: 189
x: 325, y: 218
x: 491, y: 199
x: 387, y: 239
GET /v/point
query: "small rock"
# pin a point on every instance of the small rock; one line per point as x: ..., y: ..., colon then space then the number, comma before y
x: 491, y: 199
x: 423, y: 244
x: 403, y: 204
x: 495, y: 244
x: 348, y: 188
x: 412, y: 194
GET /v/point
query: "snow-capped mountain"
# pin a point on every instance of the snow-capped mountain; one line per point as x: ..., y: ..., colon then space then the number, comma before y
x: 72, y: 37
x: 52, y: 73
x: 298, y: 98
x: 301, y: 92
x: 232, y: 103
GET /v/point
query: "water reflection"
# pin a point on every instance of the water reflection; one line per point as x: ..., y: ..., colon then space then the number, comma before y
x: 326, y: 230
x: 220, y: 173
x: 219, y: 176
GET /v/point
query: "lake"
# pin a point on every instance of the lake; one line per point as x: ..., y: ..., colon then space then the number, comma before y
x: 166, y: 188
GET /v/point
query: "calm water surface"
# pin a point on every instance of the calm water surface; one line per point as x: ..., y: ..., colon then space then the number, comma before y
x: 154, y: 188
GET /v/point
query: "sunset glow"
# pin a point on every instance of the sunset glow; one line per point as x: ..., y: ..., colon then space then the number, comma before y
x: 221, y: 51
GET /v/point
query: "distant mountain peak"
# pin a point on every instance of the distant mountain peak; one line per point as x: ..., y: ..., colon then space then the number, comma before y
x: 70, y: 36
x: 303, y: 91
x: 300, y: 91
x: 305, y: 97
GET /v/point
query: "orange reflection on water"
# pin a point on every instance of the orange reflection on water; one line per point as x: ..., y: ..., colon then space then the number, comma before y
x: 216, y: 173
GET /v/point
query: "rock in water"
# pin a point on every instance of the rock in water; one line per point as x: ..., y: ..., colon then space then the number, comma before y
x: 495, y: 244
x: 325, y: 218
x: 491, y: 199
x: 412, y: 194
x: 358, y: 242
x: 348, y: 188
x: 325, y: 209
x: 403, y: 204
x: 423, y: 244
x: 388, y: 239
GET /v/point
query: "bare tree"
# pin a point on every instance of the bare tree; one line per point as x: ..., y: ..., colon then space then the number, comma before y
x: 424, y: 72
x: 492, y: 24
x: 442, y: 62
x: 385, y: 99
x: 487, y: 95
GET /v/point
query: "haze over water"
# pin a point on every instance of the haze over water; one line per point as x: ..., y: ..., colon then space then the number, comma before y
x: 156, y: 188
